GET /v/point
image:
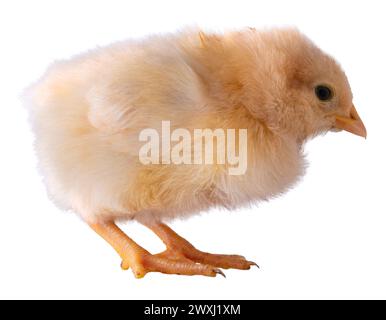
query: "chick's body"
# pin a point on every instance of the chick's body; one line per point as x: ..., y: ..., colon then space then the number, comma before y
x: 87, y: 114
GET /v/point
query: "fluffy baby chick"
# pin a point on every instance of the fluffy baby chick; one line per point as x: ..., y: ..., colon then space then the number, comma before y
x: 88, y: 113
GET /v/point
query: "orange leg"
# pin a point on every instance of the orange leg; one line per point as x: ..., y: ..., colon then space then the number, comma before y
x: 141, y: 261
x: 176, y: 245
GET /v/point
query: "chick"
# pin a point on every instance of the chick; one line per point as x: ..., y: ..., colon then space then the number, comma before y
x: 88, y: 112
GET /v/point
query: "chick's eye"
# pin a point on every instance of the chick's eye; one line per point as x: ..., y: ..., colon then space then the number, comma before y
x: 323, y: 93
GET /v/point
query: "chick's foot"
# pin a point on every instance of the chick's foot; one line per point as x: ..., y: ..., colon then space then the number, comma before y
x: 142, y: 262
x: 173, y: 264
x: 178, y: 246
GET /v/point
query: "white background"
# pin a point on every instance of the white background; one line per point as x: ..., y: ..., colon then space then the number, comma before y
x: 324, y: 239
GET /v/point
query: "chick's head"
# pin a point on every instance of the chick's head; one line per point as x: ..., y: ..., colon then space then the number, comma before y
x: 305, y: 90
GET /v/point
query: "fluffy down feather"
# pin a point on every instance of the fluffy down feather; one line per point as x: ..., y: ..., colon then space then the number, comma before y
x: 87, y: 113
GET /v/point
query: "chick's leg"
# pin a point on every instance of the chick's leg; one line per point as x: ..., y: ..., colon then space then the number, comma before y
x: 176, y: 245
x: 141, y: 261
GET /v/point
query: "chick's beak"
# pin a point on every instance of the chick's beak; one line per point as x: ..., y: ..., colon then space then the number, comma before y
x: 352, y: 124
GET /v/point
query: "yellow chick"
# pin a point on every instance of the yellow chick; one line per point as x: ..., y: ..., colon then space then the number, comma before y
x: 88, y: 114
